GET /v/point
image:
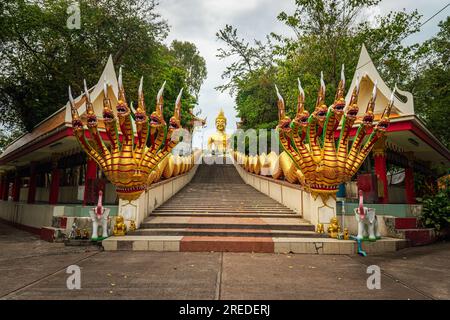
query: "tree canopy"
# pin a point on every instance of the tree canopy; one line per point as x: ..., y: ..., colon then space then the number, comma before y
x: 328, y: 34
x: 40, y: 56
x: 431, y: 83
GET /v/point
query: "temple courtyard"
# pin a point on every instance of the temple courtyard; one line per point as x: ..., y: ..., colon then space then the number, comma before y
x: 36, y: 269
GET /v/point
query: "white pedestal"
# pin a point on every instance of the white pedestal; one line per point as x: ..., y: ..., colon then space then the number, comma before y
x: 129, y: 210
x: 320, y: 211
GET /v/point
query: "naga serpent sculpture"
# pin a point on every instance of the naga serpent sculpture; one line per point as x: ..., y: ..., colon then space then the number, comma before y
x: 323, y: 162
x: 129, y: 161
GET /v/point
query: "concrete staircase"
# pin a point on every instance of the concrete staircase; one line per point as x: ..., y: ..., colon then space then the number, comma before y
x: 217, y: 211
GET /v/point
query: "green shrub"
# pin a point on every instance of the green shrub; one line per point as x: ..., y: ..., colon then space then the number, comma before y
x: 436, y: 210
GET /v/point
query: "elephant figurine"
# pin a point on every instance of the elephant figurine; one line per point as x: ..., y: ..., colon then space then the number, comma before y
x: 99, y: 215
x: 367, y: 221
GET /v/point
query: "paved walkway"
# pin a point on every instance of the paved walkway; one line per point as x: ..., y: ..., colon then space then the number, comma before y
x: 33, y: 269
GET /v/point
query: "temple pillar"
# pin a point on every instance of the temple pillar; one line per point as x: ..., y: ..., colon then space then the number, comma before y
x: 54, y: 185
x: 379, y: 154
x: 16, y: 188
x: 91, y: 174
x: 5, y: 188
x: 2, y: 186
x: 32, y: 184
x: 409, y: 180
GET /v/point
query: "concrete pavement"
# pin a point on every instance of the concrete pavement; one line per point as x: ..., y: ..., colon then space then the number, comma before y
x: 33, y: 269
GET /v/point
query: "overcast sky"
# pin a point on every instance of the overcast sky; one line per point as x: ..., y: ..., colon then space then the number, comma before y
x: 198, y: 21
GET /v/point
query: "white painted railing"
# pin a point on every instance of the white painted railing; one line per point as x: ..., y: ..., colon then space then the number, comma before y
x: 292, y: 196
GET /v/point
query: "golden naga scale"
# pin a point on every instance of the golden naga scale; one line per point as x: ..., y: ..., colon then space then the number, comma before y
x: 321, y: 161
x: 137, y: 159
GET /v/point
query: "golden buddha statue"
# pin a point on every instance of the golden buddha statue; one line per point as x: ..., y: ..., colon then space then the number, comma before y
x: 120, y: 228
x: 218, y: 142
x: 334, y: 229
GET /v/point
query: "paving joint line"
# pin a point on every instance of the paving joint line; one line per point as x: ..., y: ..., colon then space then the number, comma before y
x: 397, y: 280
x: 219, y: 279
x: 12, y: 293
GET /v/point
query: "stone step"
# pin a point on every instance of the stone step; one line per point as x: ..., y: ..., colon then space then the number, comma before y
x: 300, y: 227
x: 221, y: 204
x: 224, y: 214
x: 231, y: 210
x: 250, y: 244
x: 418, y: 237
x: 224, y: 199
x: 261, y: 220
x: 215, y: 232
x: 216, y: 203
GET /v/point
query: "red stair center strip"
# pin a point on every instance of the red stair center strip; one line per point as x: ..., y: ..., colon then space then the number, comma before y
x: 226, y: 244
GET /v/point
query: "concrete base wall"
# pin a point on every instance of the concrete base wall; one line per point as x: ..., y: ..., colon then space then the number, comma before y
x: 42, y: 215
x: 30, y: 215
x: 350, y: 222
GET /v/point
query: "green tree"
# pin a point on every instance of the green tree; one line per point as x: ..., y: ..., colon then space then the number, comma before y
x: 327, y: 35
x: 431, y: 85
x: 247, y: 58
x: 40, y: 56
x: 188, y: 57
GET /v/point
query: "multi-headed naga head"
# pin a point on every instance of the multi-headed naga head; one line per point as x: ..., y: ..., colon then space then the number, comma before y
x: 108, y: 114
x: 123, y: 110
x: 91, y: 117
x: 323, y: 163
x: 174, y: 122
x: 302, y: 115
x: 77, y: 124
x: 140, y: 116
x: 125, y: 163
x: 352, y: 108
x: 284, y: 122
x: 320, y: 112
x: 368, y: 117
x: 339, y: 101
x: 383, y: 124
x: 157, y: 117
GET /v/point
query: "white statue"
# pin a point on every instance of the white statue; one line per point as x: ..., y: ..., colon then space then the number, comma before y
x: 367, y: 221
x: 99, y: 215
